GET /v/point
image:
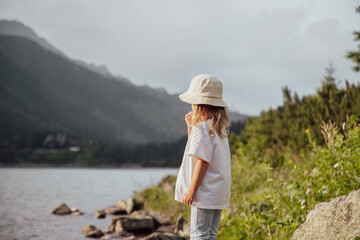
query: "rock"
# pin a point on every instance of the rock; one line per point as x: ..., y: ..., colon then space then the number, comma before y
x: 95, y: 234
x: 165, y: 229
x: 139, y: 222
x: 63, y: 209
x: 162, y: 218
x: 129, y: 205
x: 179, y: 224
x: 99, y: 214
x: 115, y: 210
x: 88, y: 228
x: 337, y: 219
x: 185, y: 232
x: 91, y: 231
x: 129, y: 224
x: 167, y: 183
x: 77, y: 213
x: 164, y: 236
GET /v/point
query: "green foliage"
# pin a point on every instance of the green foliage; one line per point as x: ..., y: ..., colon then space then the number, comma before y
x: 156, y: 199
x: 27, y: 149
x: 276, y: 131
x: 271, y: 203
x: 354, y: 56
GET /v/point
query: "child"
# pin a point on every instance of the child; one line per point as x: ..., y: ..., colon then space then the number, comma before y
x: 204, y: 177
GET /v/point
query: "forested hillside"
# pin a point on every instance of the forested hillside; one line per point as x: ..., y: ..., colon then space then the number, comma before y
x: 43, y: 91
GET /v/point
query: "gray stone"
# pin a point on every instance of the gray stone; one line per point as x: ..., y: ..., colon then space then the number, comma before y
x: 337, y: 219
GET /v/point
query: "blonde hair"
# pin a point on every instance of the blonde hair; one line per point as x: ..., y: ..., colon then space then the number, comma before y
x: 219, y: 118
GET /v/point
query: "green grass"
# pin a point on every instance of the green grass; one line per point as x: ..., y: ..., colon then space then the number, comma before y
x: 157, y: 199
x: 269, y: 203
x: 272, y: 204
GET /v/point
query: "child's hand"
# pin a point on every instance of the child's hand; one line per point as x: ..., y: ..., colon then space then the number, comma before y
x: 188, y: 197
x: 188, y: 118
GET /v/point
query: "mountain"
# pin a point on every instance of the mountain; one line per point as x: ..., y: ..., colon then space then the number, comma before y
x: 15, y: 28
x: 42, y: 89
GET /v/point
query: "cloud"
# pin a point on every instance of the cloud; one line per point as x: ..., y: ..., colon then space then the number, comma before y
x: 254, y: 47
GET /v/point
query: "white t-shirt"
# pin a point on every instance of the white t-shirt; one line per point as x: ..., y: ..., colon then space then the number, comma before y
x: 214, y: 191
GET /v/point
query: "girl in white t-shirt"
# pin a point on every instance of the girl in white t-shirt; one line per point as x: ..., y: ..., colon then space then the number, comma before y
x: 204, y: 177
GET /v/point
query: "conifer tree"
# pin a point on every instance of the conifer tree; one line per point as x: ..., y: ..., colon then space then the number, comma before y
x: 355, y: 55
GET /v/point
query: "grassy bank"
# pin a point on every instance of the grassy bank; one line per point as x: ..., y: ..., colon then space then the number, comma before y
x: 270, y: 203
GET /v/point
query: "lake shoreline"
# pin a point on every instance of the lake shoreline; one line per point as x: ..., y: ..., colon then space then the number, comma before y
x: 37, y: 191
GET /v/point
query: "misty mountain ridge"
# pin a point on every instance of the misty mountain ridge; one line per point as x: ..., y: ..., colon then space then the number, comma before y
x: 15, y: 28
x: 57, y: 93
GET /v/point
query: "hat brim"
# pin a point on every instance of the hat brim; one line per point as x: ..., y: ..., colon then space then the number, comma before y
x: 185, y: 97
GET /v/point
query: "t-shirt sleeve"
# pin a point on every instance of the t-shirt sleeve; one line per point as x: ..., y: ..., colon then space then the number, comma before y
x: 200, y: 143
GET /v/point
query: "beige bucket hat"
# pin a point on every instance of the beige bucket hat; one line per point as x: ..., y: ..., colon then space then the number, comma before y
x: 204, y: 89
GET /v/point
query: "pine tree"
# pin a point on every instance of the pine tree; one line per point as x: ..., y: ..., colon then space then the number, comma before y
x: 355, y: 55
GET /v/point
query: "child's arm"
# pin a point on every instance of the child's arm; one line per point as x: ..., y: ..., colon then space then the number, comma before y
x: 197, y: 178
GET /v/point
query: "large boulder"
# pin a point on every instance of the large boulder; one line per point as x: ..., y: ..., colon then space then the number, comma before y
x: 63, y: 209
x: 139, y: 222
x: 129, y: 205
x: 337, y: 219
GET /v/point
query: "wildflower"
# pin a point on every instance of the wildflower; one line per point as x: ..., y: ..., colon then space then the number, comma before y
x: 302, y: 207
x: 308, y: 191
x: 303, y: 202
x: 270, y: 180
x: 307, y: 130
x: 324, y: 192
x: 343, y: 126
x: 336, y: 165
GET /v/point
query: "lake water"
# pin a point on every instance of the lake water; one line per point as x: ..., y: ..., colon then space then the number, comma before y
x: 28, y: 196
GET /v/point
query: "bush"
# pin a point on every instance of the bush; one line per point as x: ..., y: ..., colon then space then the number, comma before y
x: 272, y: 203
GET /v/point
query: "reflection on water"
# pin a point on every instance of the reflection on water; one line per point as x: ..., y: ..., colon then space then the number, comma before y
x: 27, y: 197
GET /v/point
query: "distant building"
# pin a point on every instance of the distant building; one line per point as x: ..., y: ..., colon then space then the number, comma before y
x: 74, y: 149
x: 57, y: 141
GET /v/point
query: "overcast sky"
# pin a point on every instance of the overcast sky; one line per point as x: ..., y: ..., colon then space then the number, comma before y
x: 254, y: 47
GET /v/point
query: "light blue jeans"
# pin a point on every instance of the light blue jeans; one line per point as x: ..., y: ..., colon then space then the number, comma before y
x: 204, y: 223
